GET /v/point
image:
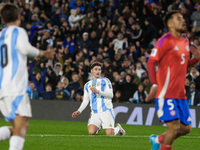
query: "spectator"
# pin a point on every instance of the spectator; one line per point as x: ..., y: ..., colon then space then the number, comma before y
x: 39, y: 80
x: 127, y: 88
x: 193, y: 95
x: 74, y: 86
x: 69, y: 43
x: 139, y: 95
x: 194, y: 76
x: 120, y: 43
x: 48, y: 94
x: 117, y: 97
x: 33, y: 94
x: 75, y: 17
x: 139, y: 70
x: 61, y: 93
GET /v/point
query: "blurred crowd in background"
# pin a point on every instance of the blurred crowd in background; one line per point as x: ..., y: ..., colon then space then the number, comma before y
x: 118, y: 33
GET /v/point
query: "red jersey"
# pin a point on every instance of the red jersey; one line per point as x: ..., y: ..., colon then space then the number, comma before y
x: 172, y: 55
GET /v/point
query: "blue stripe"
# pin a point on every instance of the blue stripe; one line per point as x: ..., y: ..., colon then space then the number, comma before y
x: 15, y: 105
x: 103, y: 86
x: 2, y: 41
x: 112, y: 114
x: 15, y: 60
x: 86, y: 87
x: 94, y: 97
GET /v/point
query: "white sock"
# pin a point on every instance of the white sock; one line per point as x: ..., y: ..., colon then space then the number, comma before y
x: 16, y: 143
x: 116, y: 130
x: 156, y: 140
x: 4, y: 133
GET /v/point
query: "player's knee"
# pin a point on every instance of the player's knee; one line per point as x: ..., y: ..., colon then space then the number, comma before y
x: 91, y: 132
x: 187, y: 129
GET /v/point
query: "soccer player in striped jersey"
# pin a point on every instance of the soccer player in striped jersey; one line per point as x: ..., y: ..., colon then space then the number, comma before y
x: 171, y: 53
x: 14, y: 101
x: 99, y: 93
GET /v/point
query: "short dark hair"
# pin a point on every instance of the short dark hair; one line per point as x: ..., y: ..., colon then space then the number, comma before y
x: 169, y: 16
x: 9, y: 12
x: 95, y: 63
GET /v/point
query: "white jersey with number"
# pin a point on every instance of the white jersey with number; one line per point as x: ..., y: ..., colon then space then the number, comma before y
x: 14, y: 48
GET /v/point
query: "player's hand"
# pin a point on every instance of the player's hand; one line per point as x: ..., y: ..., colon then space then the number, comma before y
x: 75, y: 114
x: 94, y: 90
x: 152, y: 93
x: 195, y: 51
x: 48, y: 54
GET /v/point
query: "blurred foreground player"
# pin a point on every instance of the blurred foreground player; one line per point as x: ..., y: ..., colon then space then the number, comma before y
x: 14, y: 101
x: 99, y: 93
x: 171, y: 53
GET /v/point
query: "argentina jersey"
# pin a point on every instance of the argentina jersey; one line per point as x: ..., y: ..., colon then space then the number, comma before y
x: 14, y: 47
x: 102, y: 101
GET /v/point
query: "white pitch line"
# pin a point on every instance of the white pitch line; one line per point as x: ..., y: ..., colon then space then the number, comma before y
x: 127, y: 136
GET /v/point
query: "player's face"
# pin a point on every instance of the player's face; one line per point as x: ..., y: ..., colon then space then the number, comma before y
x: 96, y: 72
x: 178, y: 23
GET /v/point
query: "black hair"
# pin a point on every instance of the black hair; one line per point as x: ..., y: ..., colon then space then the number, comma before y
x: 9, y: 12
x: 95, y: 63
x: 169, y: 16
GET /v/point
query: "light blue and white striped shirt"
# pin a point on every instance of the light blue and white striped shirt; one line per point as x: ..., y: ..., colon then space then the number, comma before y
x: 98, y: 102
x: 14, y: 47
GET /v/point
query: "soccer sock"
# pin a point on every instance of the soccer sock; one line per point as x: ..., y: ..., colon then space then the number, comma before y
x: 4, y: 133
x: 166, y: 147
x: 116, y: 130
x: 160, y: 137
x: 16, y: 143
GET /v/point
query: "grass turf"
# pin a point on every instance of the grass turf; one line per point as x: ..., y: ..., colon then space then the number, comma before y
x: 62, y: 135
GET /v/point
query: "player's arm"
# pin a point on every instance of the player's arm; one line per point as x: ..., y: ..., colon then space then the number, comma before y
x: 108, y: 91
x: 83, y: 104
x: 24, y: 46
x: 196, y: 52
x: 151, y: 67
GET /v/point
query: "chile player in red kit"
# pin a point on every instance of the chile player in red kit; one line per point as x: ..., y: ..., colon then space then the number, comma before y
x: 171, y: 53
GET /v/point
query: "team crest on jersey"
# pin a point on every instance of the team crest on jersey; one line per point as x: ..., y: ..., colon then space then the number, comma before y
x: 98, y: 84
x: 89, y: 86
x: 93, y: 85
x: 187, y: 48
x: 154, y: 51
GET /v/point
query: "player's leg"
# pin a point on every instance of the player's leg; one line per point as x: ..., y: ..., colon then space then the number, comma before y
x: 108, y: 122
x: 20, y: 127
x: 92, y: 129
x: 184, y: 129
x: 5, y: 131
x: 185, y: 118
x: 94, y: 124
x: 167, y: 111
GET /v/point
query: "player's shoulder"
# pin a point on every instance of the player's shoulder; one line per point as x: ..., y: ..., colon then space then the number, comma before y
x: 184, y: 38
x: 104, y: 78
x: 87, y: 83
x: 164, y: 39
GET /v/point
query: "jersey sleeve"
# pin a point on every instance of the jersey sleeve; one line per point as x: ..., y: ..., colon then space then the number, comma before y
x: 24, y: 46
x: 107, y: 92
x: 85, y: 99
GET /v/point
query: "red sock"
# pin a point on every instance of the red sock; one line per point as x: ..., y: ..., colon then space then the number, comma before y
x: 166, y: 147
x: 160, y: 138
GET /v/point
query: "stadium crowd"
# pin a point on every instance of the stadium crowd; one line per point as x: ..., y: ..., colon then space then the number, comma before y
x: 118, y: 33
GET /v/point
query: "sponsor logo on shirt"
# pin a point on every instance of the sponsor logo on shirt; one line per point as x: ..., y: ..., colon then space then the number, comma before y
x: 176, y: 48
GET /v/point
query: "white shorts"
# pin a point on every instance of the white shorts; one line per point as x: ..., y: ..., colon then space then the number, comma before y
x: 10, y: 106
x: 106, y: 119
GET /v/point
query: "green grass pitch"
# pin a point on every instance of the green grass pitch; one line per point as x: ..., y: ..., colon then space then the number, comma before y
x: 62, y: 135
